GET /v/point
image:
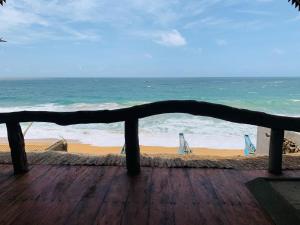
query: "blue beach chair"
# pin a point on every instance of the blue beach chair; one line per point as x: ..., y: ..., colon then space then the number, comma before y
x: 249, y: 146
x: 183, y: 146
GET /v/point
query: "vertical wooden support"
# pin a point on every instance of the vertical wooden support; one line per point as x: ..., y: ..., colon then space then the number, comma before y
x: 132, y: 146
x: 275, y: 151
x: 17, y: 147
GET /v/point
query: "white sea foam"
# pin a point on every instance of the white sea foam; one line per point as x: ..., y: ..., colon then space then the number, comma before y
x: 295, y: 100
x: 160, y: 130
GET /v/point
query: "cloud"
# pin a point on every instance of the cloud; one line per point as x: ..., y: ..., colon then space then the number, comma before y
x: 38, y: 20
x: 170, y: 38
x: 277, y: 51
x: 207, y: 22
x: 27, y: 21
x: 221, y: 42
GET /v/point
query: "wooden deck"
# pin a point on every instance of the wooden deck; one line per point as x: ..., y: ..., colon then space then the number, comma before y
x: 106, y: 195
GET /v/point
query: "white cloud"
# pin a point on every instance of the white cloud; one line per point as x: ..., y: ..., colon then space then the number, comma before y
x: 82, y: 19
x: 170, y: 38
x: 221, y: 42
x: 207, y: 22
x: 32, y: 20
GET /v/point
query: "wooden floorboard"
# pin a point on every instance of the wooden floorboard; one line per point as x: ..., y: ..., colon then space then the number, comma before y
x: 107, y: 195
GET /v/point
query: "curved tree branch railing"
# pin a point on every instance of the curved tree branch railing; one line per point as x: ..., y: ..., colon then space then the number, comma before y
x: 131, y: 115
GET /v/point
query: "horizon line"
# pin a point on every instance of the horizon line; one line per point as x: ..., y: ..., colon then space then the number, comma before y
x: 136, y: 77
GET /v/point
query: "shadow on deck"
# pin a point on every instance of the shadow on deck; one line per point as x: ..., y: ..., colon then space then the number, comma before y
x: 107, y: 195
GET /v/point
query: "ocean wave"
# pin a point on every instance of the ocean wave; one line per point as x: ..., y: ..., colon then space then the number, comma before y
x: 295, y: 100
x: 69, y: 107
x: 160, y: 130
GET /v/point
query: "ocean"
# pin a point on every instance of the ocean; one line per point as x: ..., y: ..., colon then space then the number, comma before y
x: 273, y: 95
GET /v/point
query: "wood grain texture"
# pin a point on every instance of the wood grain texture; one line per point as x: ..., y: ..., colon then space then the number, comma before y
x: 132, y: 147
x: 131, y: 116
x: 17, y: 147
x: 106, y: 195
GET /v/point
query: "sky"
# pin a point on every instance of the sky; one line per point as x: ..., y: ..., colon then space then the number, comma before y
x: 149, y: 38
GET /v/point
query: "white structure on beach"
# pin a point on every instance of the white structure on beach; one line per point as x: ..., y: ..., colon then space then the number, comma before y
x: 263, y: 139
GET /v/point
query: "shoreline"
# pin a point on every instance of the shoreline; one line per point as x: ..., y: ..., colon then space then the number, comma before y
x: 75, y: 147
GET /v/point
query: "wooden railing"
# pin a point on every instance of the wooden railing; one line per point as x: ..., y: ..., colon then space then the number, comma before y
x: 131, y: 116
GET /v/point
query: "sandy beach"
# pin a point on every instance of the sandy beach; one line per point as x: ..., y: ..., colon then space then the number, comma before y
x: 152, y: 156
x: 79, y: 148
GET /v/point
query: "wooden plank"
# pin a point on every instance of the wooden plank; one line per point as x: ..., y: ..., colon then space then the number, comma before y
x: 161, y: 209
x: 112, y: 209
x: 238, y: 182
x: 48, y: 196
x: 86, y: 210
x: 186, y: 207
x: 10, y: 194
x: 141, y: 111
x: 275, y: 151
x: 136, y: 210
x: 211, y: 209
x: 17, y: 185
x: 23, y: 192
x: 17, y: 147
x: 132, y: 148
x: 236, y: 207
x: 106, y: 195
x: 58, y: 199
x: 6, y: 172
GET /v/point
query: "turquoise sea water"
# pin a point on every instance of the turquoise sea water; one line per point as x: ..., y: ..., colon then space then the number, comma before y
x: 272, y: 95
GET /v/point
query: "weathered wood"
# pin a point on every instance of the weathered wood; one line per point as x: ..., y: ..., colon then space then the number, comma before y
x: 132, y: 146
x: 17, y: 147
x: 132, y: 114
x: 141, y: 111
x: 60, y: 145
x: 108, y: 196
x: 275, y: 151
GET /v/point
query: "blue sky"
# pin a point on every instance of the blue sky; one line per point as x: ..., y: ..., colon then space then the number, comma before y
x: 149, y: 38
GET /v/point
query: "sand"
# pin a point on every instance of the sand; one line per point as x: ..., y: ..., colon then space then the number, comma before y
x: 79, y: 148
x: 95, y: 150
x: 83, y: 154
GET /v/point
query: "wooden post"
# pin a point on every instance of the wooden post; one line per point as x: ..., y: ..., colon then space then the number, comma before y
x: 17, y: 147
x: 132, y: 146
x: 275, y: 151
